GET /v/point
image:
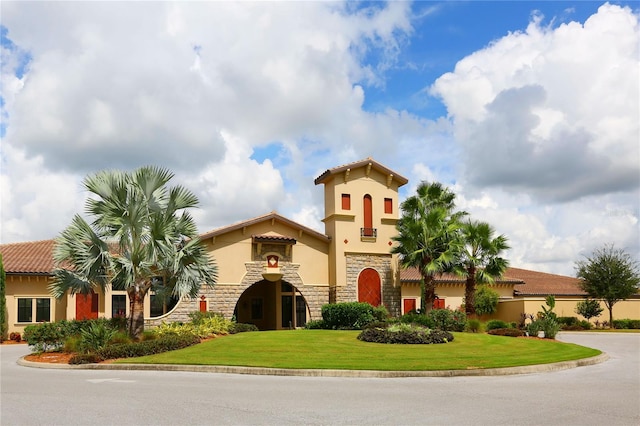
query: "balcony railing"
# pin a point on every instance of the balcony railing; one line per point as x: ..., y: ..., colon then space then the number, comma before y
x: 368, y: 232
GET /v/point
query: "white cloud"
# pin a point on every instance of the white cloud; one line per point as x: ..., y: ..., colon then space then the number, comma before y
x: 545, y: 121
x: 552, y: 112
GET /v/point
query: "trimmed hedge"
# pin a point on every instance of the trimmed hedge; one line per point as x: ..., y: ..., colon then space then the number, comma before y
x: 165, y: 343
x: 236, y: 328
x: 629, y: 324
x: 441, y: 319
x: 347, y: 316
x: 510, y: 332
x: 413, y: 336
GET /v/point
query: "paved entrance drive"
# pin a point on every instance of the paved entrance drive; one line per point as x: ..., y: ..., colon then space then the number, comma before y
x: 607, y: 393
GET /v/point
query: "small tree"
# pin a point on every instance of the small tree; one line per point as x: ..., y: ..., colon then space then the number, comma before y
x: 486, y: 300
x: 3, y: 302
x: 589, y: 308
x: 609, y: 274
x: 141, y: 238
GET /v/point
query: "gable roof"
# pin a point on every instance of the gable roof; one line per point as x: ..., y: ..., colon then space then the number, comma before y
x: 29, y: 258
x: 273, y: 216
x: 324, y: 177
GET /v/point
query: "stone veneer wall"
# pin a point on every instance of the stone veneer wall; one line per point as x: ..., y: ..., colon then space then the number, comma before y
x: 223, y: 297
x: 381, y: 263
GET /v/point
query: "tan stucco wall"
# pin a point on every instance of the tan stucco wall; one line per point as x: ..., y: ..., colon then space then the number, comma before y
x: 510, y: 310
x: 343, y: 226
x: 233, y: 249
x: 19, y: 286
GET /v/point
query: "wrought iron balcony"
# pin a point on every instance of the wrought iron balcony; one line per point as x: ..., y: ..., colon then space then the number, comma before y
x: 368, y: 232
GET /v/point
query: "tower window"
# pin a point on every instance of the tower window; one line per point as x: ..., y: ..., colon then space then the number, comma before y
x: 346, y: 202
x: 388, y: 205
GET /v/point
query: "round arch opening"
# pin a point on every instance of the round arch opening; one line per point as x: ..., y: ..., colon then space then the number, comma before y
x: 272, y: 306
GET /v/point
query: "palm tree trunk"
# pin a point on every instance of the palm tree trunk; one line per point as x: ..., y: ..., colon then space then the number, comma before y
x: 429, y: 293
x: 470, y: 293
x: 136, y: 311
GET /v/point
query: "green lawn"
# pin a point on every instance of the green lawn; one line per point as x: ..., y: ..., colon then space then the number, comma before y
x: 326, y: 349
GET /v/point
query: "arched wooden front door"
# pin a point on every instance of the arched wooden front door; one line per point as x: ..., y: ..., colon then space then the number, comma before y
x: 369, y: 287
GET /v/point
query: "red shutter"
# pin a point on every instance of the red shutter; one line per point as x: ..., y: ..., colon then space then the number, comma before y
x: 346, y: 202
x: 388, y: 205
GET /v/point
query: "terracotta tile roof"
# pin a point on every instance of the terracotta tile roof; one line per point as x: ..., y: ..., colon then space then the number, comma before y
x: 361, y: 163
x: 272, y: 238
x: 542, y: 284
x: 412, y: 275
x: 269, y: 216
x: 34, y: 257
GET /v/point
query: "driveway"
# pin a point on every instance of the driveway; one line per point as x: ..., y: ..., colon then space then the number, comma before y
x: 607, y: 393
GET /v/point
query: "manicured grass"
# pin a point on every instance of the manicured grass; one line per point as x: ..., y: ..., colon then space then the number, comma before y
x: 325, y: 349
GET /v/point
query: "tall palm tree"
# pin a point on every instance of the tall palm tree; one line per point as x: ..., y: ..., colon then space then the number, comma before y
x: 427, y: 235
x: 141, y: 238
x: 479, y: 258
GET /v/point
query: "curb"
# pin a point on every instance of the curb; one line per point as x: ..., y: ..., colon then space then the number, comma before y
x: 260, y: 371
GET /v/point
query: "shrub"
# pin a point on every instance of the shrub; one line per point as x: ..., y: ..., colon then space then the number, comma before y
x: 404, y: 333
x: 380, y: 313
x: 121, y: 337
x: 495, y: 324
x: 568, y: 321
x: 16, y: 337
x: 90, y: 358
x: 71, y: 344
x: 415, y: 318
x: 486, y: 300
x: 510, y: 332
x: 206, y: 326
x: 473, y: 325
x: 240, y: 327
x: 548, y: 324
x: 347, y: 316
x: 96, y: 336
x: 315, y: 325
x: 167, y: 342
x: 45, y: 336
x: 626, y: 324
x: 534, y: 328
x: 147, y: 335
x: 198, y: 317
x: 448, y: 320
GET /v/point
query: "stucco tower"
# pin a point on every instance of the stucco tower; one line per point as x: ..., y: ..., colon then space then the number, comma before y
x: 361, y: 212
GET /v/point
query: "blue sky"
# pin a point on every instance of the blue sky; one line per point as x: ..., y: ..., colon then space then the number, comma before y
x: 528, y: 110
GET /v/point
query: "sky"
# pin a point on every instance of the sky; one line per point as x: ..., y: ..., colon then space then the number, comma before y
x: 528, y: 111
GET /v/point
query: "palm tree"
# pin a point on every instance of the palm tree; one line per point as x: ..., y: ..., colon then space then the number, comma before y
x: 427, y: 235
x: 479, y: 258
x: 141, y: 238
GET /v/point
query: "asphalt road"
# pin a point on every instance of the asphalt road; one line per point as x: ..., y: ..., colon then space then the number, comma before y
x: 602, y: 394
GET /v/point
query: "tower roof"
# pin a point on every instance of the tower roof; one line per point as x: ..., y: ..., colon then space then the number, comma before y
x: 367, y: 162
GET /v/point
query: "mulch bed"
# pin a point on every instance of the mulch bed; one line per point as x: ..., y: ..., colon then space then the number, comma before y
x: 50, y: 357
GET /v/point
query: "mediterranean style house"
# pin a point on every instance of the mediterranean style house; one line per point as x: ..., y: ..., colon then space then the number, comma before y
x: 277, y: 274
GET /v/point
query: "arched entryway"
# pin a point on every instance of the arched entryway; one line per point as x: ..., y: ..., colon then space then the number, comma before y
x: 369, y: 287
x: 272, y: 306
